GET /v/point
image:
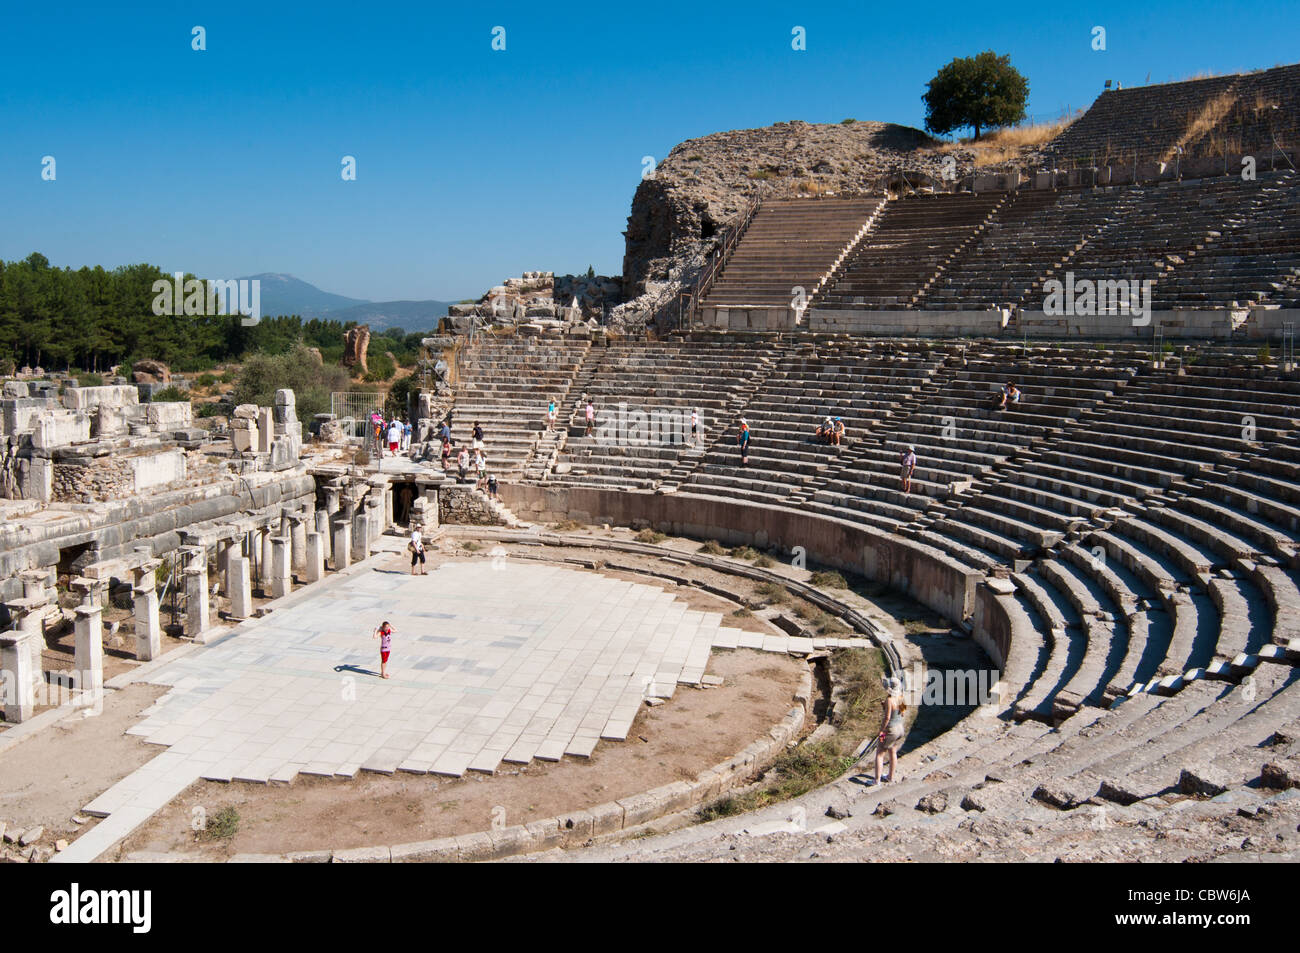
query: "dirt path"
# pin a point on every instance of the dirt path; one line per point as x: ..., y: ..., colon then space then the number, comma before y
x: 57, y: 771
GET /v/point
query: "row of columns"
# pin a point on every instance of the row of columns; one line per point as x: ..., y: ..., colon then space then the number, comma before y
x: 302, y: 542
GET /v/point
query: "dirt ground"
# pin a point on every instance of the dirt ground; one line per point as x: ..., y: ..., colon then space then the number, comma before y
x: 695, y: 730
x: 57, y: 771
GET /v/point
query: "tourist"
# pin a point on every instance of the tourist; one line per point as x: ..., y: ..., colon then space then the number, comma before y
x: 837, y: 433
x: 416, y: 548
x: 695, y: 425
x: 462, y: 463
x: 444, y: 432
x: 743, y: 439
x: 550, y: 415
x: 908, y: 463
x: 446, y: 455
x: 891, y: 734
x: 1008, y: 395
x: 385, y: 636
x: 394, y: 436
x: 406, y: 436
x: 480, y: 470
x: 492, y: 485
x: 591, y: 418
x: 477, y: 443
x: 377, y: 421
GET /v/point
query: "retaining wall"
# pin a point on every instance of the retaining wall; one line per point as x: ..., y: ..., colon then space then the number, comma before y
x: 922, y: 572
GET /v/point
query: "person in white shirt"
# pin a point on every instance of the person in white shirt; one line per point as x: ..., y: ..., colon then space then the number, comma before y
x: 394, y: 436
x: 416, y: 549
x: 908, y: 463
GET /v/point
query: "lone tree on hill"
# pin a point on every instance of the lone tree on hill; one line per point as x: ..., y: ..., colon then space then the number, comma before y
x: 979, y: 91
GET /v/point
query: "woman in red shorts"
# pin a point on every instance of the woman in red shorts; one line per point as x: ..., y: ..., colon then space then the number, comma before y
x: 385, y: 636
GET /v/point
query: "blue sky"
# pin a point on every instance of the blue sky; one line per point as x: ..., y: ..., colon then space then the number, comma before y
x: 473, y: 164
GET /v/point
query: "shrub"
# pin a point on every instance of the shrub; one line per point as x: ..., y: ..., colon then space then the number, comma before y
x: 380, y: 367
x: 222, y: 825
x: 765, y: 562
x: 90, y: 380
x: 169, y: 395
x: 650, y: 536
x: 744, y: 552
x: 311, y: 381
x: 207, y: 380
x: 212, y: 408
x: 773, y: 593
x: 828, y: 579
x: 712, y: 548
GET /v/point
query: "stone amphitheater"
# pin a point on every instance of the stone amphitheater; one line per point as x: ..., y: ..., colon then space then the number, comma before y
x: 1121, y: 545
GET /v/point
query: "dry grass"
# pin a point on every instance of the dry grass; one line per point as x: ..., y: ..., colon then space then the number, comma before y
x: 1203, y: 123
x: 809, y: 187
x: 1006, y: 145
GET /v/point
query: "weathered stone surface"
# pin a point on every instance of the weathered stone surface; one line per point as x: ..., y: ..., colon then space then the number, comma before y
x: 150, y: 372
x: 355, y: 342
x: 933, y: 803
x: 1205, y: 780
x: 1283, y: 773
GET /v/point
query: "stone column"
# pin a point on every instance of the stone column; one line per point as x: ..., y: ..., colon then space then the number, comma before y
x: 381, y: 499
x: 298, y: 541
x: 266, y: 570
x: 36, y: 596
x: 360, y: 535
x: 323, y: 531
x: 148, y: 628
x: 331, y: 500
x: 241, y: 589
x: 89, y: 629
x: 342, y: 544
x: 196, y: 600
x: 314, y: 570
x: 225, y: 549
x: 16, y: 677
x: 280, y: 581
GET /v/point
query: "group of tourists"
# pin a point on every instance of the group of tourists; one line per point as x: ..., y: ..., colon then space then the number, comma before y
x: 391, y: 435
x: 831, y: 431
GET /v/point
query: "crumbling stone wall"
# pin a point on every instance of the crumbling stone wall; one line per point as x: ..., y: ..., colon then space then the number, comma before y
x: 461, y: 505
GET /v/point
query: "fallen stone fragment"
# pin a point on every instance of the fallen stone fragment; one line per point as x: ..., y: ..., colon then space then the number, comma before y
x: 31, y: 836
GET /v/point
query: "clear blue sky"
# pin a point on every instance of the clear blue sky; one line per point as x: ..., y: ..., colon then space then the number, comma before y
x: 473, y: 165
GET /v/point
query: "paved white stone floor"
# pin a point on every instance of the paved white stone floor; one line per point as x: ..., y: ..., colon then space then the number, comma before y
x: 492, y: 661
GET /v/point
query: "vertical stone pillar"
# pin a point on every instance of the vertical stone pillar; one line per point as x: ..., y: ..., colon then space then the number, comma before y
x: 331, y: 500
x: 266, y: 570
x: 241, y: 588
x: 16, y: 677
x: 323, y: 531
x: 89, y: 658
x: 196, y: 600
x: 342, y: 544
x: 298, y: 541
x: 280, y: 557
x: 148, y: 628
x: 314, y: 557
x: 360, y: 535
x: 431, y: 518
x: 225, y: 549
x: 380, y: 499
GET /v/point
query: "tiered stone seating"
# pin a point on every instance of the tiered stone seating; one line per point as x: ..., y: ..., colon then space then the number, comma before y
x: 790, y: 243
x: 905, y: 249
x: 1160, y: 226
x: 505, y: 385
x: 1143, y: 121
x: 668, y: 379
x: 1254, y: 260
x: 786, y: 464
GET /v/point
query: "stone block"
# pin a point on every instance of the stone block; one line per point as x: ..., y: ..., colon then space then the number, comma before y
x: 363, y: 855
x: 441, y: 851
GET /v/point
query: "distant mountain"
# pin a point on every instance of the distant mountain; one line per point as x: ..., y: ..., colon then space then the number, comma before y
x: 407, y: 315
x: 285, y: 294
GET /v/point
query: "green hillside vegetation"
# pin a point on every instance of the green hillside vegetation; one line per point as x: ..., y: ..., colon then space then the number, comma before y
x: 91, y: 319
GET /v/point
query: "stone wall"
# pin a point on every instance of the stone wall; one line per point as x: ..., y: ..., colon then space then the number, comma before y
x: 923, y: 573
x: 461, y: 505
